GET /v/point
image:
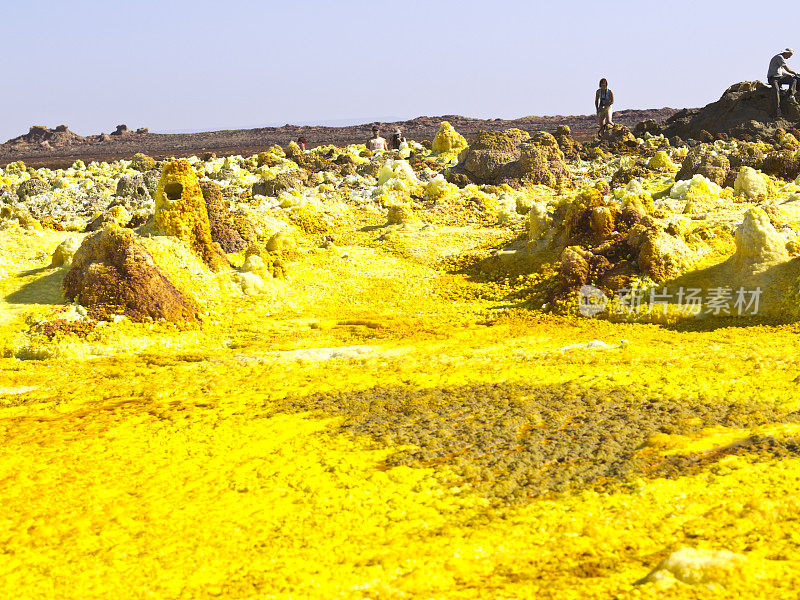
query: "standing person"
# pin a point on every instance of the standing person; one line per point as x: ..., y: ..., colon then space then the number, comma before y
x: 603, y: 99
x: 780, y: 74
x: 376, y: 142
x: 397, y: 139
x: 301, y: 141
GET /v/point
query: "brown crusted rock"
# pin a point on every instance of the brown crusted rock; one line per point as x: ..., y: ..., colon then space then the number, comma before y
x: 573, y: 271
x: 582, y: 223
x: 782, y: 164
x: 287, y: 180
x: 32, y: 187
x: 490, y: 152
x: 747, y: 154
x: 619, y: 140
x: 233, y: 234
x: 489, y: 159
x: 371, y: 168
x: 624, y: 176
x: 113, y: 270
x: 181, y: 212
x: 705, y: 161
x: 744, y: 111
x: 662, y: 256
x: 650, y: 126
x: 501, y: 141
x: 602, y: 221
x: 542, y: 161
x: 566, y: 143
x: 511, y: 157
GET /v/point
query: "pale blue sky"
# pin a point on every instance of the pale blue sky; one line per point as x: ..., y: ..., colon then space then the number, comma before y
x: 201, y: 65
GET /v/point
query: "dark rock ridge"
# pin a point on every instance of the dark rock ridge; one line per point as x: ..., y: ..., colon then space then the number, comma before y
x: 745, y: 111
x: 124, y: 143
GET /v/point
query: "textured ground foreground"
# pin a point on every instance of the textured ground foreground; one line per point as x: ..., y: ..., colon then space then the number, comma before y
x: 388, y: 423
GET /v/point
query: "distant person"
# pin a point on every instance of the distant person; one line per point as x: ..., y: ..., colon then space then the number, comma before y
x: 780, y: 74
x: 397, y: 139
x: 603, y: 99
x: 301, y: 141
x: 376, y: 142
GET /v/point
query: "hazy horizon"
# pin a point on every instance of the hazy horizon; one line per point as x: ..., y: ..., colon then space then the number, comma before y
x: 195, y: 66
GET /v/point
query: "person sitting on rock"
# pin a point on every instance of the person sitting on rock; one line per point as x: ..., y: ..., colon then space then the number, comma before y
x: 376, y: 142
x: 397, y: 139
x: 780, y: 74
x: 603, y: 99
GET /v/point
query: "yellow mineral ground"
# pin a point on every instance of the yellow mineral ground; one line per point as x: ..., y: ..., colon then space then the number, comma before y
x: 396, y: 392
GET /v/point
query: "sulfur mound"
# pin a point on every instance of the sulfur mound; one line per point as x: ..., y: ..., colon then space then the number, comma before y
x: 705, y: 161
x: 113, y: 272
x: 181, y: 212
x: 663, y: 256
x: 269, y: 262
x: 142, y: 162
x: 661, y: 162
x: 758, y: 244
x: 233, y: 234
x: 750, y: 184
x: 65, y: 251
x: 566, y: 143
x: 400, y: 214
x: 447, y: 140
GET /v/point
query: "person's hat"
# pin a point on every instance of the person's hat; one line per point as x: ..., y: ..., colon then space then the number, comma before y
x: 375, y: 128
x: 397, y: 131
x: 788, y: 51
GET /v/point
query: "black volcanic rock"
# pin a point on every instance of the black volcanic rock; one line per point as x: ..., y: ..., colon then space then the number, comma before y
x: 745, y: 111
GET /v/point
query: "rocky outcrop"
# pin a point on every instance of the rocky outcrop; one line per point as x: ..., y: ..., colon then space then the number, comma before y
x: 511, y: 157
x: 39, y: 135
x: 113, y: 273
x: 745, y: 111
x: 783, y: 163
